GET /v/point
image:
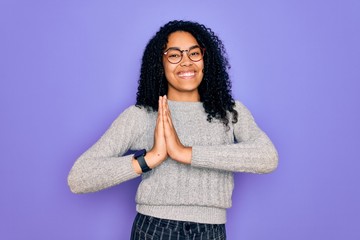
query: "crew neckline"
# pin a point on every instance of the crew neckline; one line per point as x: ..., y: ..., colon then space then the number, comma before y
x: 185, y: 105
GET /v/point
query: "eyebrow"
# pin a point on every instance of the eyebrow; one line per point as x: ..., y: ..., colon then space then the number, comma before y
x: 177, y: 48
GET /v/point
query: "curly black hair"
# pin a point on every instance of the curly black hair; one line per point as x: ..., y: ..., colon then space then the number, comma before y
x: 215, y: 87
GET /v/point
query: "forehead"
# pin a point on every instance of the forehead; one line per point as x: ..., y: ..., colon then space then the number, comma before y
x: 181, y: 39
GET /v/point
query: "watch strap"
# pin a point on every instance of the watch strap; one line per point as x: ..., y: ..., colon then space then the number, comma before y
x: 143, y: 165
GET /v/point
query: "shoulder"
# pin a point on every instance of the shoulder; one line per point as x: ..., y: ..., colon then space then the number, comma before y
x: 242, y: 110
x: 135, y: 110
x: 133, y: 114
x: 240, y: 107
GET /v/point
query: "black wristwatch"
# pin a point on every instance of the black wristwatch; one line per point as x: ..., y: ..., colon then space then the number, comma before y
x: 139, y: 156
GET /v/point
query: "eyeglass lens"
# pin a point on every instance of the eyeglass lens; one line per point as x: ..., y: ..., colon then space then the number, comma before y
x: 175, y: 55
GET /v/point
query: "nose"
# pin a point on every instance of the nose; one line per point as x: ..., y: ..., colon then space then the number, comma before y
x: 185, y: 61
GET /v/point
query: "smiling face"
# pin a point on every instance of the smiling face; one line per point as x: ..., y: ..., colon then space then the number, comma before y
x: 184, y: 77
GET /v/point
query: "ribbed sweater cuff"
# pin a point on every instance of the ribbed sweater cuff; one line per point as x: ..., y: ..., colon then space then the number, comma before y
x: 202, y: 157
x: 127, y: 170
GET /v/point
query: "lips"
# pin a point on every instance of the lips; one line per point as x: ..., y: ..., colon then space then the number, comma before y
x: 186, y: 74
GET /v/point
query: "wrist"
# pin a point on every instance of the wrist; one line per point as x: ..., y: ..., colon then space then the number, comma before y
x: 136, y: 166
x: 153, y: 158
x: 184, y: 155
x: 139, y: 156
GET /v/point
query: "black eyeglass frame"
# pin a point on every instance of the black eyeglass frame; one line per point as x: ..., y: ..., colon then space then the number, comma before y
x: 187, y: 53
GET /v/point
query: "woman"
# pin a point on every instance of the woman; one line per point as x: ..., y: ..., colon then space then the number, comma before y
x: 189, y: 136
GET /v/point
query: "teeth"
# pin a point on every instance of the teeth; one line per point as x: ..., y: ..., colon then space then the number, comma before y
x: 186, y: 74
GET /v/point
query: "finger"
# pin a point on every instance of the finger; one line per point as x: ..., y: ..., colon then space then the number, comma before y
x: 166, y: 105
x: 159, y: 106
x: 168, y: 112
x: 166, y: 120
x: 163, y: 105
x: 161, y: 112
x: 159, y: 128
x: 165, y: 110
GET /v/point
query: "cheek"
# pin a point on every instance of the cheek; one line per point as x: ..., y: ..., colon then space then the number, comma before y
x: 201, y: 64
x: 201, y: 67
x: 169, y: 69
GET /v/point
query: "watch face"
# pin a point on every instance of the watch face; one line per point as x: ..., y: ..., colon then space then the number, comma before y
x: 139, y: 153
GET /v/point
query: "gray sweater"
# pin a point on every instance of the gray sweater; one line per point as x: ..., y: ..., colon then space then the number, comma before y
x: 200, y: 192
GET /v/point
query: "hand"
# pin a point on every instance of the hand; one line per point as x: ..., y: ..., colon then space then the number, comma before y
x: 158, y: 153
x: 175, y: 149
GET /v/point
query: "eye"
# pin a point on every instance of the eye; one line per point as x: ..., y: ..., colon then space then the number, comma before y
x: 174, y: 55
x: 195, y: 53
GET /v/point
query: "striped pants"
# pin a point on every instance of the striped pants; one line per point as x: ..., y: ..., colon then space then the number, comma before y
x: 151, y: 228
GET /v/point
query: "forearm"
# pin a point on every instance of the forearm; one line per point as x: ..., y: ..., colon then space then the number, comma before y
x: 254, y: 152
x: 94, y: 174
x: 239, y: 157
x: 103, y: 165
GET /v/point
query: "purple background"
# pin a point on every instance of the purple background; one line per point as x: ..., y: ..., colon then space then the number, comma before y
x: 68, y: 68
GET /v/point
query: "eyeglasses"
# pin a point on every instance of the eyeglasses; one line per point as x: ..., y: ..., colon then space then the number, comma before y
x: 175, y: 55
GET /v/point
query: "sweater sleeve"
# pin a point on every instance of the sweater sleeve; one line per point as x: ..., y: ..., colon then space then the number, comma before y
x: 103, y: 165
x: 253, y: 151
